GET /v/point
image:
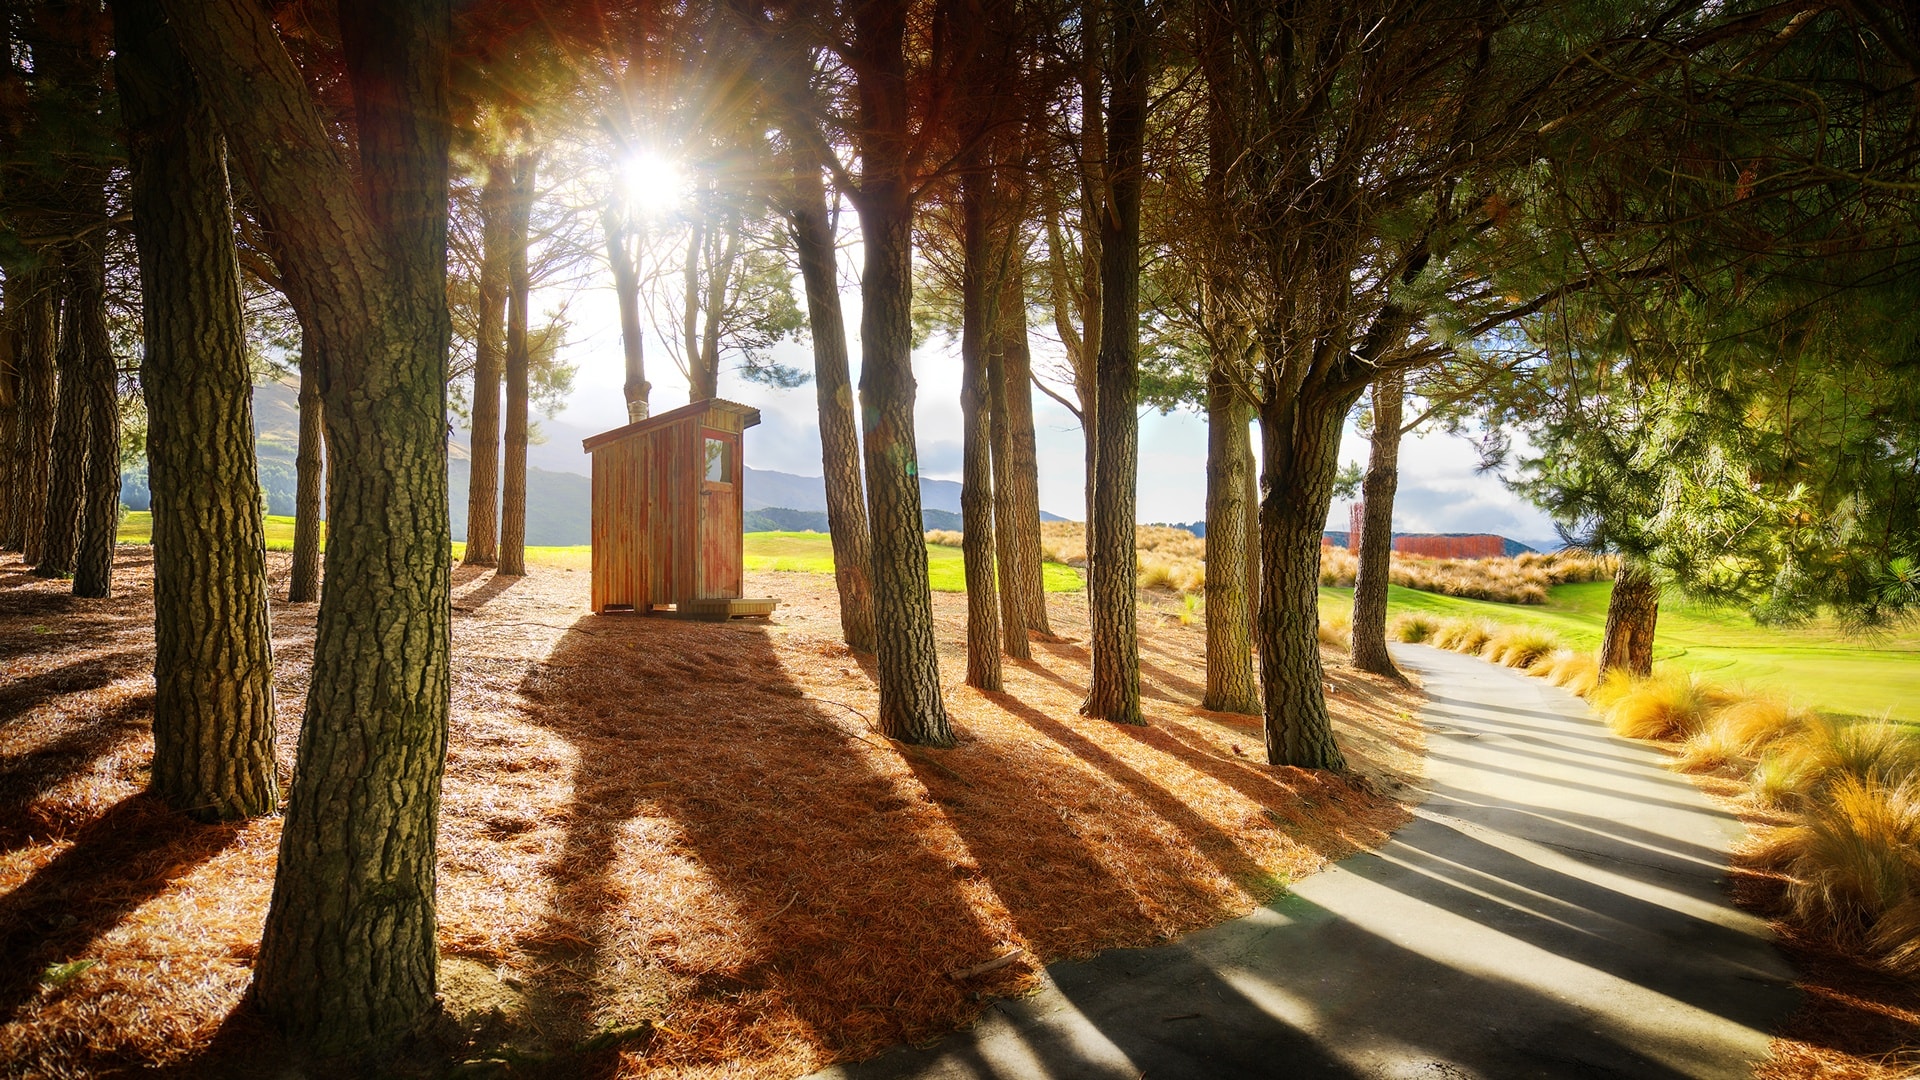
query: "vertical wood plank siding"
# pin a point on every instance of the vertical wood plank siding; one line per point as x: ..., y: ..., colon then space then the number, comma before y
x: 662, y: 534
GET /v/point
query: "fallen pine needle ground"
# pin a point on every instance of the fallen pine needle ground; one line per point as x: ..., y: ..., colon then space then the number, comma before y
x: 667, y: 848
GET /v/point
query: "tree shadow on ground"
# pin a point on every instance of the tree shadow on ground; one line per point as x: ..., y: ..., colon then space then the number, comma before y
x: 734, y: 848
x: 473, y: 586
x: 112, y: 865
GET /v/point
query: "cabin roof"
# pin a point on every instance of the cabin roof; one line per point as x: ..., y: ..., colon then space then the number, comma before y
x: 748, y: 415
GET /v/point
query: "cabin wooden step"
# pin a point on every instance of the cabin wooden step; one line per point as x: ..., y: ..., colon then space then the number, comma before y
x: 728, y: 608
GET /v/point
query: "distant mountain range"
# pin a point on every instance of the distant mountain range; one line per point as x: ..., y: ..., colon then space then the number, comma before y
x: 560, y: 489
x: 559, y: 484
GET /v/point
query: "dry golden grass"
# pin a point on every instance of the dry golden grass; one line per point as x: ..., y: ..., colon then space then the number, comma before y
x: 1669, y: 705
x: 1519, y: 646
x: 1523, y: 579
x: 687, y: 833
x: 1336, y: 631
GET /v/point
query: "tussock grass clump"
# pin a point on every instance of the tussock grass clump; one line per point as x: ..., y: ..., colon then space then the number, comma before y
x: 944, y: 537
x: 1736, y: 732
x: 1670, y: 705
x: 1464, y: 635
x: 1412, y: 626
x: 1854, y: 861
x: 1575, y: 671
x: 1520, y: 646
x: 1336, y: 631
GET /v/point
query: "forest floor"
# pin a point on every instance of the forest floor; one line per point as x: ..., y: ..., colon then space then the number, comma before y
x: 667, y: 847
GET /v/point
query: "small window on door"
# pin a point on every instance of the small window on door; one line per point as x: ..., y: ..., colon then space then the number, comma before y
x: 719, y: 461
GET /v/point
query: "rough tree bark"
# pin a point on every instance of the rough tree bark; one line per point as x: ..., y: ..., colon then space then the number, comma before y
x: 347, y: 960
x: 910, y: 706
x: 309, y: 477
x: 33, y: 437
x: 833, y: 386
x: 1376, y: 535
x: 513, y: 489
x: 1632, y: 613
x: 67, y: 451
x: 1016, y: 471
x: 1300, y: 442
x: 483, y: 489
x: 1115, y: 690
x: 100, y: 483
x: 976, y: 490
x: 1230, y: 682
x: 213, y: 717
x: 12, y: 309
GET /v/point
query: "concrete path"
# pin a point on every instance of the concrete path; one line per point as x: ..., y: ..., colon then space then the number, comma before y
x: 1556, y: 910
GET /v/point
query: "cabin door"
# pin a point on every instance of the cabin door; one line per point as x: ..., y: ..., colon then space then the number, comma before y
x: 719, y: 572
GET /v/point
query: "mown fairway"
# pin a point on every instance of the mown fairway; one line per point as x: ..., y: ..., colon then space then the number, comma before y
x: 1817, y: 664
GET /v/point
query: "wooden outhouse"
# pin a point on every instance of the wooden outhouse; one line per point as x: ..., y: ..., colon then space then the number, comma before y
x: 667, y: 513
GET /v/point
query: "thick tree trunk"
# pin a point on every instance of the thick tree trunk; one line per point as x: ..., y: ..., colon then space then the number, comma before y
x: 309, y: 477
x: 1115, y: 691
x: 1255, y: 567
x: 67, y: 457
x: 1230, y: 682
x: 347, y: 960
x: 977, y: 541
x: 626, y: 288
x: 1376, y: 536
x: 833, y: 385
x: 1632, y: 613
x: 483, y: 488
x: 909, y: 669
x: 33, y: 437
x: 1016, y: 471
x: 213, y: 733
x: 513, y: 494
x: 1300, y: 441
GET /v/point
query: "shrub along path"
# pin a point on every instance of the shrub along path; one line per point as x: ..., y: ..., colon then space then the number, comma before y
x: 1557, y: 909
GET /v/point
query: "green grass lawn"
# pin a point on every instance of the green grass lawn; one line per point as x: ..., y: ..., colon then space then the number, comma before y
x: 812, y: 553
x: 808, y: 553
x: 1817, y: 664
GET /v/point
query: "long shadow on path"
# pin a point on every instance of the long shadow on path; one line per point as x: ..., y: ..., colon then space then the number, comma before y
x: 1538, y: 919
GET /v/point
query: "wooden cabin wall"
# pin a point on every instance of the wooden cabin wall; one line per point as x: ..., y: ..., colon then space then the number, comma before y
x: 671, y: 524
x: 621, y: 567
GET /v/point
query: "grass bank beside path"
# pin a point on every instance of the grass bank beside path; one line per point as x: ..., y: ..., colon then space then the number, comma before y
x: 1817, y: 664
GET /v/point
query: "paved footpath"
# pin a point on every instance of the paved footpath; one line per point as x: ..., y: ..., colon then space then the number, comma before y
x: 1557, y: 909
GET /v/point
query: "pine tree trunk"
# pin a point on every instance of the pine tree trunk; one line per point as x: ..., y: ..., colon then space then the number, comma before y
x: 1016, y: 476
x: 67, y: 457
x: 309, y: 477
x: 347, y: 960
x: 1006, y: 543
x: 33, y: 437
x: 1300, y: 441
x: 100, y: 483
x: 910, y: 706
x: 626, y: 288
x: 839, y: 435
x: 1230, y: 682
x: 483, y: 487
x: 12, y: 309
x: 1115, y: 691
x: 213, y: 720
x: 1256, y: 567
x: 513, y: 500
x: 1632, y: 613
x: 706, y: 374
x: 977, y: 540
x: 1376, y: 535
